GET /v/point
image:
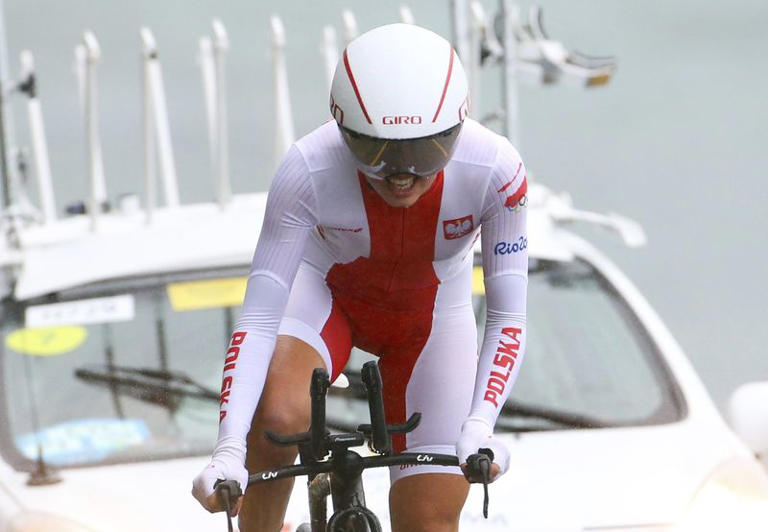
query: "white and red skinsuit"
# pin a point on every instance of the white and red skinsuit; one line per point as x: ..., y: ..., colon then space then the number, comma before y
x: 337, y: 267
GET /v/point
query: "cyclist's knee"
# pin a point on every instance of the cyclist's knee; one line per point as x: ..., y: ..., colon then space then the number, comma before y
x: 416, y: 506
x: 282, y: 416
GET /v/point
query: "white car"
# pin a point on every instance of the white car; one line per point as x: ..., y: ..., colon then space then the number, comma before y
x: 110, y: 365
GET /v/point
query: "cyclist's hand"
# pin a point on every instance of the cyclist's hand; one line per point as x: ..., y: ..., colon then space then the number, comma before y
x: 477, y: 434
x: 203, y: 487
x: 227, y: 463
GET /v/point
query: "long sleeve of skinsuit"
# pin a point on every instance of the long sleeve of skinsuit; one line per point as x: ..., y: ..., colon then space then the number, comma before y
x: 505, y: 268
x: 288, y: 220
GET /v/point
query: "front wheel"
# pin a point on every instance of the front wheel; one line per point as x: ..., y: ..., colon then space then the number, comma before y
x: 354, y: 519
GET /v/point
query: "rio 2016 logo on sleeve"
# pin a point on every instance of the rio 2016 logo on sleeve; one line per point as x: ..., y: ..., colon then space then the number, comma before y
x: 507, y: 248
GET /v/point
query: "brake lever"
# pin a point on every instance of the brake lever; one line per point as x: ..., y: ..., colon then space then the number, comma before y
x: 228, y: 492
x: 480, y: 462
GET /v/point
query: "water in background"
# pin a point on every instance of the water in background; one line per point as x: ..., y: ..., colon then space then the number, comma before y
x: 676, y: 141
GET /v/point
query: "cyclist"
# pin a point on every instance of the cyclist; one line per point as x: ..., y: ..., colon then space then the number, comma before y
x: 367, y: 241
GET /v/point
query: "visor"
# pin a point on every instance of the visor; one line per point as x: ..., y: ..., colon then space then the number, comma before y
x: 422, y: 156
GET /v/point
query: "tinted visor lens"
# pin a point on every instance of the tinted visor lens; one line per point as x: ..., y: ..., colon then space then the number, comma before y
x: 422, y: 156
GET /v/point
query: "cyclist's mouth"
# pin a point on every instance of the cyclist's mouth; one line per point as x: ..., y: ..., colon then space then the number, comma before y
x: 401, y: 185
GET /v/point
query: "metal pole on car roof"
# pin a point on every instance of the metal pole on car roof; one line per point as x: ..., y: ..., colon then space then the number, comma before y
x: 208, y: 72
x: 7, y: 140
x: 349, y: 26
x: 330, y: 52
x: 477, y: 24
x: 220, y: 47
x: 460, y: 35
x: 98, y: 193
x: 160, y: 118
x: 150, y: 147
x: 509, y: 17
x: 283, y: 117
x: 406, y: 15
x: 37, y: 133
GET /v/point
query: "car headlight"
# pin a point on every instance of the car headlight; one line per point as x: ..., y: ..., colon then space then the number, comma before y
x: 734, y: 498
x: 43, y: 522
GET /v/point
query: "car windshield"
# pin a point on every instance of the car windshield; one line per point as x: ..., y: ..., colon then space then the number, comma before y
x: 130, y: 370
x: 589, y: 361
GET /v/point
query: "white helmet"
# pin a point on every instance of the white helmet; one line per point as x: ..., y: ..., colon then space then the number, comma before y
x: 399, y: 96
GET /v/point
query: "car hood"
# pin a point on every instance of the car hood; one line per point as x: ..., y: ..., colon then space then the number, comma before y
x: 558, y: 480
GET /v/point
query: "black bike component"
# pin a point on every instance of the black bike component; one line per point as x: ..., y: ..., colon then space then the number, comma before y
x: 228, y: 492
x: 354, y: 518
x: 380, y: 440
x: 317, y: 435
x: 400, y: 428
x: 316, y: 468
x: 318, y: 489
x: 284, y: 441
x: 479, y: 465
x: 318, y: 388
x: 346, y: 482
x: 341, y: 442
x: 408, y: 426
x: 410, y: 459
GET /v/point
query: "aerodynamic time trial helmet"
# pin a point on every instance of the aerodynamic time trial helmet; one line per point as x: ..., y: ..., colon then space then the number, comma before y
x: 400, y: 95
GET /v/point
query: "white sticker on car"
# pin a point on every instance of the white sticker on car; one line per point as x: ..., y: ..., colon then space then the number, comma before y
x: 81, y: 312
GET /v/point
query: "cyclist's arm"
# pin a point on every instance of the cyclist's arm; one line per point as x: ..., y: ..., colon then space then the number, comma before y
x: 288, y: 220
x: 505, y: 268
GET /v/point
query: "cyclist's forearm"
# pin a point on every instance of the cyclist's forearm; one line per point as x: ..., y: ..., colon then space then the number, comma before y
x: 503, y: 348
x: 248, y: 356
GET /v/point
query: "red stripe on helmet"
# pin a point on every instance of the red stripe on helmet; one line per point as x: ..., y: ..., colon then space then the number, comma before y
x: 445, y: 87
x: 354, y: 86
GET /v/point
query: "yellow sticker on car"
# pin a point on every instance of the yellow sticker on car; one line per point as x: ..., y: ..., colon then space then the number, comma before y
x: 46, y: 341
x: 208, y: 293
x: 478, y: 287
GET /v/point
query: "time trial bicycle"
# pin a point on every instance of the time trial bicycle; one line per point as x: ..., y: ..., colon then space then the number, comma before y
x: 334, y: 469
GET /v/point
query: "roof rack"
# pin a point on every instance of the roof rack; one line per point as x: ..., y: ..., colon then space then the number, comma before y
x: 559, y: 208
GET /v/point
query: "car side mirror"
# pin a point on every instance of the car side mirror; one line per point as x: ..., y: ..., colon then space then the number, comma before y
x: 749, y: 416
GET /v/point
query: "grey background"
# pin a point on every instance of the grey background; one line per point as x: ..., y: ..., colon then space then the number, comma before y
x: 676, y: 141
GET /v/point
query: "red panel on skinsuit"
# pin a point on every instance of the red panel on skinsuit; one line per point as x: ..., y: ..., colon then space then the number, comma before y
x: 399, y: 267
x: 389, y: 296
x: 337, y: 336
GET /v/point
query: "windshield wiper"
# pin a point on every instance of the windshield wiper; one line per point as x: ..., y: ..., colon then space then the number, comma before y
x: 561, y: 417
x: 153, y: 385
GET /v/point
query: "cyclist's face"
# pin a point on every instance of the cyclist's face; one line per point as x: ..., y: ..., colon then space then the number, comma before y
x: 401, y: 190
